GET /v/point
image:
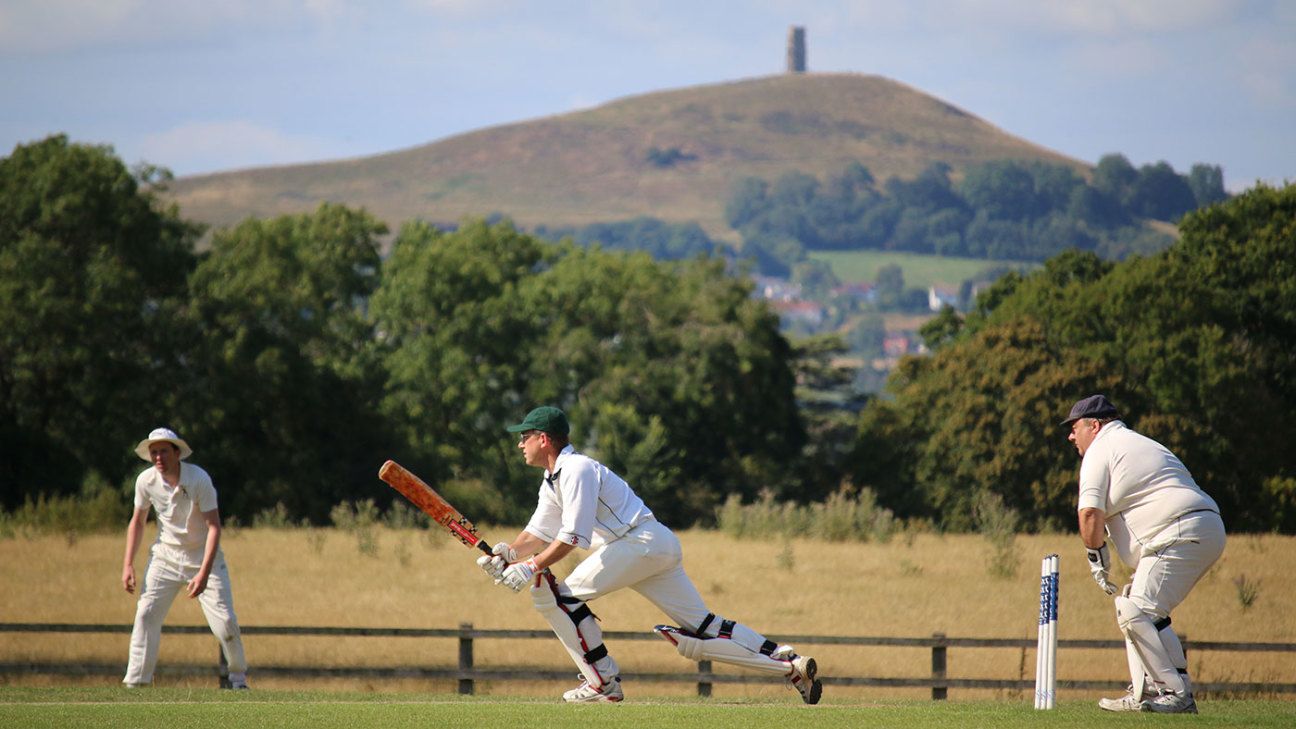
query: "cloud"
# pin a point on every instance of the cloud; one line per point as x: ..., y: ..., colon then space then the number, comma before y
x: 1101, y: 18
x: 222, y: 145
x: 53, y: 26
x: 1265, y: 72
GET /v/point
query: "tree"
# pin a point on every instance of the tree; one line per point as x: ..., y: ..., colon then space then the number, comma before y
x: 1193, y: 344
x: 92, y: 266
x: 1207, y: 184
x: 1115, y: 177
x: 747, y: 201
x: 1004, y: 190
x: 931, y: 190
x: 1161, y: 193
x: 671, y: 373
x: 890, y: 286
x: 282, y: 364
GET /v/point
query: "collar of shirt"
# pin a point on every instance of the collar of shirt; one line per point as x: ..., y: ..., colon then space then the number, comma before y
x: 552, y: 478
x: 1109, y: 427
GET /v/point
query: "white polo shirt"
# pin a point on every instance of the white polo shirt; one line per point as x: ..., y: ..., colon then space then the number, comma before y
x: 179, y: 511
x: 1139, y: 484
x: 584, y: 503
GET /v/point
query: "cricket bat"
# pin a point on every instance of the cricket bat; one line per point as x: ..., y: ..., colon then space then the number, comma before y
x: 425, y: 498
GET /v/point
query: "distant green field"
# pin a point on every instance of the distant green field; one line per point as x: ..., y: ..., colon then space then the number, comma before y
x: 920, y: 271
x: 115, y: 707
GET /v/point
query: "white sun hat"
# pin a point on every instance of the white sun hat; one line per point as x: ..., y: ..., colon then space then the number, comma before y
x: 162, y: 434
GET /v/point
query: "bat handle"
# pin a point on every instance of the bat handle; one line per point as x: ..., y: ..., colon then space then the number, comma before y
x: 481, y: 544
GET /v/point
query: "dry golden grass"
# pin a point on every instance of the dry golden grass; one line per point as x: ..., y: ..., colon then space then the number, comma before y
x: 914, y: 586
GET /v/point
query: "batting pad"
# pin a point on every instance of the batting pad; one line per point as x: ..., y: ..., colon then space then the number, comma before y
x: 723, y: 650
x: 576, y: 627
x: 1141, y: 632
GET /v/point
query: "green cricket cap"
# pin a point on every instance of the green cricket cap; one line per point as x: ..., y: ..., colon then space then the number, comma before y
x: 545, y: 418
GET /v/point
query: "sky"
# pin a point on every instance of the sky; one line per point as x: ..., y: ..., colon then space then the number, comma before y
x: 210, y: 85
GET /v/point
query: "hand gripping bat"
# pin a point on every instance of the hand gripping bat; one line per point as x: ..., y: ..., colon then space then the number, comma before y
x: 422, y: 496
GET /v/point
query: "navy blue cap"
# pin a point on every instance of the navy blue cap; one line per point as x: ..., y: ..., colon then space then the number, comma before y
x: 1094, y: 406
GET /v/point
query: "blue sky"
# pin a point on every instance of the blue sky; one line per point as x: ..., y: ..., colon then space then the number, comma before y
x: 200, y: 86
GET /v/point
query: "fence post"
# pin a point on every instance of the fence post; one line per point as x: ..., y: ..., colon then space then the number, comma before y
x: 465, y: 658
x: 704, y: 676
x: 222, y: 672
x: 939, y: 691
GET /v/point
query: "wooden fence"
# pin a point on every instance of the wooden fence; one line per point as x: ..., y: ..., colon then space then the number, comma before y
x: 466, y: 672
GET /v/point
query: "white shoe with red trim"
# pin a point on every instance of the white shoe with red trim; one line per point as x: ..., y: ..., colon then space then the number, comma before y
x: 586, y: 694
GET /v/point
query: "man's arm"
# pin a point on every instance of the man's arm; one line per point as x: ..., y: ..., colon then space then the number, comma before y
x: 134, y: 535
x: 1093, y: 530
x: 1094, y: 535
x: 527, y: 544
x: 553, y: 554
x: 199, y: 581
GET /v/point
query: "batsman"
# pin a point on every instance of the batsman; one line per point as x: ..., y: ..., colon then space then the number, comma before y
x: 585, y: 505
x: 1134, y: 491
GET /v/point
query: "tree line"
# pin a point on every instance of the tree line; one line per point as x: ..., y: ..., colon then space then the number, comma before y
x: 1005, y: 209
x: 296, y: 358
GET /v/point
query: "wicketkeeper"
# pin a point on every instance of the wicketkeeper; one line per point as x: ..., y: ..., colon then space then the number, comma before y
x: 1134, y: 491
x: 583, y: 504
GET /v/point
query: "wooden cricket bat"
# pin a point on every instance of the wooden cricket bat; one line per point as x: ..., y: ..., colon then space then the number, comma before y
x: 425, y: 498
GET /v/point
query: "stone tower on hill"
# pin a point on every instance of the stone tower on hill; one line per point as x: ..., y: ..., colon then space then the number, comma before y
x: 796, y: 50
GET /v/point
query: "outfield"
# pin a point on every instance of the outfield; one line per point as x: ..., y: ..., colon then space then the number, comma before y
x: 38, y: 708
x: 911, y: 586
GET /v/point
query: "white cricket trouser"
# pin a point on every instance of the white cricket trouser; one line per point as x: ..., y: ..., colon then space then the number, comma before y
x: 649, y: 560
x: 166, y: 577
x: 1173, y: 562
x: 1169, y: 567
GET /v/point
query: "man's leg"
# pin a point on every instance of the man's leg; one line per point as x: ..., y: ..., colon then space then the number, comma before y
x: 1141, y: 632
x: 1168, y: 570
x: 701, y: 635
x: 579, y: 632
x: 217, y: 603
x: 162, y: 582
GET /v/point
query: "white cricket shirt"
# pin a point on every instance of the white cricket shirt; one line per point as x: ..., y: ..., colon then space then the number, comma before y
x: 1139, y: 484
x: 179, y: 510
x: 584, y: 503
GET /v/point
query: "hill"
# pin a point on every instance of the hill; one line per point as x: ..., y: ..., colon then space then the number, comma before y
x: 674, y: 155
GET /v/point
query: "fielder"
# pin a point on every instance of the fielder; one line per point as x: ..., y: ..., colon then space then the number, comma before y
x: 583, y: 504
x: 1134, y: 491
x: 185, y: 558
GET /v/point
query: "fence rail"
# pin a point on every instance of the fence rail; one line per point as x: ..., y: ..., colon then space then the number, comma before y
x: 466, y: 672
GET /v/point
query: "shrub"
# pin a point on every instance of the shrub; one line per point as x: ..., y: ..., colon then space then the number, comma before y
x: 844, y: 516
x: 98, y: 507
x: 998, y: 524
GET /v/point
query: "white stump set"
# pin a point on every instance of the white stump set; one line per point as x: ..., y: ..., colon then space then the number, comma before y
x: 1046, y: 649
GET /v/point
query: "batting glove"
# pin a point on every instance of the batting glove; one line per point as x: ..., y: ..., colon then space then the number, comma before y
x: 519, y: 574
x: 1099, y: 564
x: 493, y: 564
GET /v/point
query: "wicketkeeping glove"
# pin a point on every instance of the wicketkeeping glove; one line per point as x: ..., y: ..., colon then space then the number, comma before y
x: 519, y: 574
x: 1099, y: 564
x: 493, y: 564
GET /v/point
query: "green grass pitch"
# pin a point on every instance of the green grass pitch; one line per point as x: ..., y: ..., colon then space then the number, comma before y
x: 35, y: 708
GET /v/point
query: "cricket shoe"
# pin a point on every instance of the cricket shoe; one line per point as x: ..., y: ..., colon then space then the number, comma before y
x: 802, y: 676
x: 1128, y: 702
x: 586, y: 694
x: 1171, y: 702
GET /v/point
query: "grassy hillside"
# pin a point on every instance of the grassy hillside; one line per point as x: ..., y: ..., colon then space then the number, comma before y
x: 594, y: 165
